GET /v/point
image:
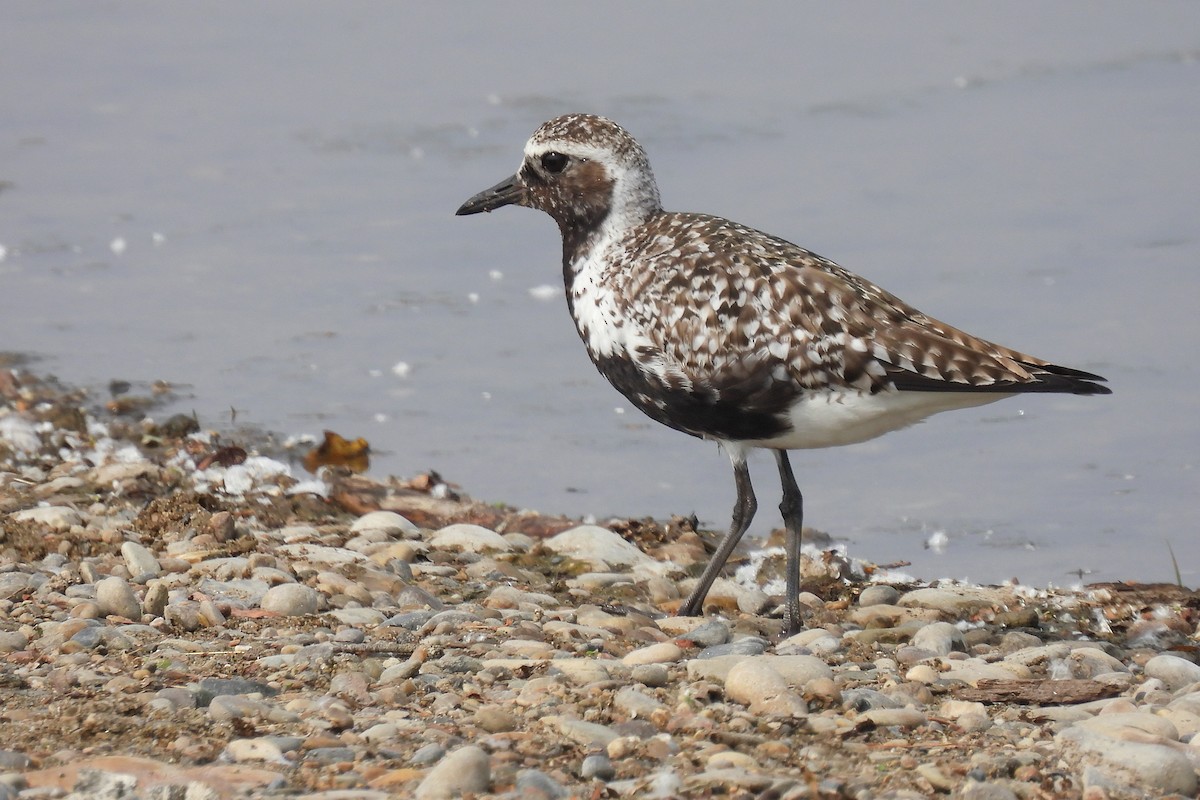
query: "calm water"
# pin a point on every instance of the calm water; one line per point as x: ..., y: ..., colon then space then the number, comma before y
x: 257, y: 201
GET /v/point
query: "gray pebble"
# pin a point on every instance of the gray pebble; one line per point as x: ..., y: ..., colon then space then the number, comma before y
x: 350, y: 636
x: 12, y: 641
x: 597, y: 767
x: 427, y: 755
x: 749, y: 646
x: 89, y: 637
x: 13, y: 585
x: 410, y: 621
x: 209, y: 688
x: 330, y: 755
x: 11, y: 759
x: 534, y: 784
x: 878, y: 594
x: 710, y: 634
x: 177, y: 697
x: 652, y: 675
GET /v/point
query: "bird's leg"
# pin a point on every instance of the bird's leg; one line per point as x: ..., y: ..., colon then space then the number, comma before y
x: 792, y: 508
x: 743, y: 511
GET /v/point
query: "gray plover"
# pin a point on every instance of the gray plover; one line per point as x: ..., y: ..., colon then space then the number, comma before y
x: 730, y: 334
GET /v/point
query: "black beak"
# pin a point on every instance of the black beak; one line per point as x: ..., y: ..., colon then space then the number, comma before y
x: 505, y: 193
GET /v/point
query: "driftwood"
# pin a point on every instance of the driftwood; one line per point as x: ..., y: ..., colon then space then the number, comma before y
x: 1037, y: 692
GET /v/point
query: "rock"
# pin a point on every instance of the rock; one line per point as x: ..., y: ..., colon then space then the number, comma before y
x: 429, y: 754
x: 469, y: 539
x: 660, y: 653
x: 155, y: 601
x: 977, y: 790
x: 11, y: 642
x: 1150, y: 768
x: 15, y: 584
x: 1172, y: 670
x: 496, y: 719
x: 597, y: 767
x: 140, y: 561
x: 1116, y: 725
x: 636, y: 703
x: 388, y: 521
x: 115, y: 597
x: 588, y: 734
x: 753, y: 682
x: 210, y: 688
x: 956, y: 601
x: 258, y: 749
x: 895, y: 717
x: 799, y: 670
x: 710, y: 634
x: 120, y: 471
x: 59, y: 518
x: 748, y: 646
x: 534, y: 784
x: 941, y: 638
x: 601, y: 548
x: 652, y: 675
x: 467, y: 769
x: 878, y: 594
x: 291, y: 600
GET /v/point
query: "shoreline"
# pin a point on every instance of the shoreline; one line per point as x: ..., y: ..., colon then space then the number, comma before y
x: 179, y: 608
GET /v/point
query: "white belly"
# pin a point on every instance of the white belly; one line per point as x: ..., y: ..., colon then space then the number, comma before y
x: 836, y: 418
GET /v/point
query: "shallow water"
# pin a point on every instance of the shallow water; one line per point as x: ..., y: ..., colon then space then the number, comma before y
x: 258, y: 204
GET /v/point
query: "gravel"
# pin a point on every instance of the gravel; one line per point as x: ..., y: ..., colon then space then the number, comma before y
x: 169, y: 628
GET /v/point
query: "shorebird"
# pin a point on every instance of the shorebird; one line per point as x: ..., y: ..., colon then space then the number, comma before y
x: 733, y: 335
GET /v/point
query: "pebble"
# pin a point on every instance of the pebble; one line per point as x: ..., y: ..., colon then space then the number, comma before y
x: 467, y: 769
x: 291, y: 600
x: 753, y: 682
x: 140, y: 561
x: 597, y: 767
x: 469, y: 539
x: 1152, y: 768
x: 1172, y: 670
x: 59, y: 518
x: 658, y: 653
x: 708, y: 634
x: 533, y: 784
x: 388, y: 522
x: 940, y: 638
x: 878, y: 594
x: 957, y: 601
x: 115, y: 597
x: 599, y: 547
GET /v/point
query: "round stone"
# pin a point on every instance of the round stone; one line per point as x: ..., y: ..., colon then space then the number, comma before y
x: 291, y: 600
x: 115, y: 597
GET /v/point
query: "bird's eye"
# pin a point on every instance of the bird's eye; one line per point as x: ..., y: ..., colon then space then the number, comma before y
x: 554, y: 163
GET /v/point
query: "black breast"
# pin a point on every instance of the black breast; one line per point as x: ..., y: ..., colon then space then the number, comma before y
x: 752, y: 407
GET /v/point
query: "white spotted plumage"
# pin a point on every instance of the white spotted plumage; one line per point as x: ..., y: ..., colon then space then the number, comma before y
x: 731, y: 334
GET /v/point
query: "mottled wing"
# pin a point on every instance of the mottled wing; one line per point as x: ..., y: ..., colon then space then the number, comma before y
x: 749, y: 316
